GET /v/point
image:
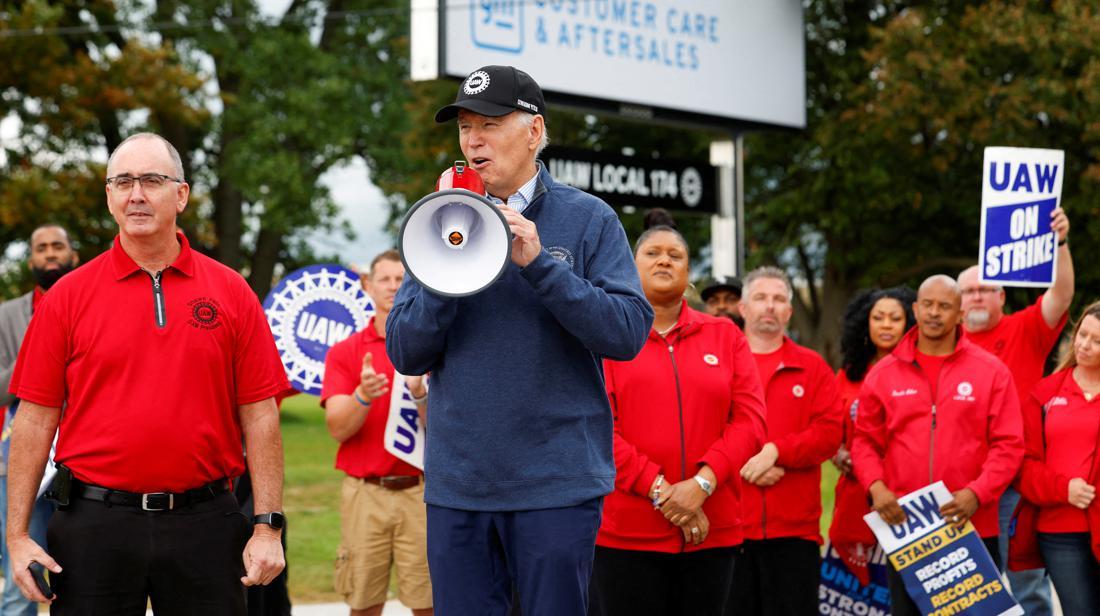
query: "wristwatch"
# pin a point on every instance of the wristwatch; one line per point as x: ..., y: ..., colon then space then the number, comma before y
x: 275, y: 519
x: 703, y: 483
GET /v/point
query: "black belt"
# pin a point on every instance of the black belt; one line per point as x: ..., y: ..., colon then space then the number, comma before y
x: 152, y: 501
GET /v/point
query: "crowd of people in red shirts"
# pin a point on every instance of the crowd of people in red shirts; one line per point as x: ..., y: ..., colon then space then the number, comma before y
x: 722, y: 423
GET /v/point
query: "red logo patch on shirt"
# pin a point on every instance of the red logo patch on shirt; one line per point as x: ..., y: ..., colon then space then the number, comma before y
x: 205, y: 313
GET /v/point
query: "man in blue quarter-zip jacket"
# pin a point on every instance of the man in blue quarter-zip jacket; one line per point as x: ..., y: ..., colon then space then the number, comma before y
x: 519, y: 457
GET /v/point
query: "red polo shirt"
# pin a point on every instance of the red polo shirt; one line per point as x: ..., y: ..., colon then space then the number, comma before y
x: 1022, y: 340
x: 150, y: 397
x: 363, y: 454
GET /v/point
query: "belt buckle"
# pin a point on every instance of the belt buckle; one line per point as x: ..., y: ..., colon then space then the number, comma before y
x: 145, y: 501
x: 383, y: 481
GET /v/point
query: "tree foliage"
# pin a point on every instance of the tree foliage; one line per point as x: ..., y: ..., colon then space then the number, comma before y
x: 259, y: 108
x: 884, y: 186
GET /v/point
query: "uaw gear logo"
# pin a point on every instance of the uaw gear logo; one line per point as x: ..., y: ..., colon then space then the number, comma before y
x: 963, y: 392
x: 691, y: 187
x: 711, y: 359
x: 309, y: 311
x: 476, y: 83
x: 798, y: 391
x: 205, y: 313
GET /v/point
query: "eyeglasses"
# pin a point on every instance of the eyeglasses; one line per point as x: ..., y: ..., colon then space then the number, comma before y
x: 972, y: 291
x: 149, y: 181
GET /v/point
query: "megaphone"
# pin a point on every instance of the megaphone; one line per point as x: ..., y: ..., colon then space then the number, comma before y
x: 455, y: 242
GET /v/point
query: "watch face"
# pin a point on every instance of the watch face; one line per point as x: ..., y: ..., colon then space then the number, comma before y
x: 274, y: 519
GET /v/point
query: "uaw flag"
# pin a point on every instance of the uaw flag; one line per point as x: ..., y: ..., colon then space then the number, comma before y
x: 309, y: 311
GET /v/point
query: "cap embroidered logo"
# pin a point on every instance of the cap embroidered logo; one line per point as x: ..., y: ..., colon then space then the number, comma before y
x: 476, y: 83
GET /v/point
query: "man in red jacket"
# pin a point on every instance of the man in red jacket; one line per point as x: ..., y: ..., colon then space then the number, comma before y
x: 938, y: 408
x: 778, y: 569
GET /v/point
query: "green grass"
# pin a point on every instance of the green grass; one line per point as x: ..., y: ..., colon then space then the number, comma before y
x: 312, y: 500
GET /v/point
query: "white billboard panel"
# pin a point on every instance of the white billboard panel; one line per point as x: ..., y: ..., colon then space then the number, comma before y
x: 740, y: 60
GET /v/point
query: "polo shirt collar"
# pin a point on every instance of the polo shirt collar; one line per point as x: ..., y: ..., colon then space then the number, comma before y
x: 125, y: 266
x: 370, y: 334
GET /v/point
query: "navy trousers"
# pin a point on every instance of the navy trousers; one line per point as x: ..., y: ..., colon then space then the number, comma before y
x: 476, y: 558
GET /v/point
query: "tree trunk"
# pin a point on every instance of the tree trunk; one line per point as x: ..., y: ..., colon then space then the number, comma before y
x: 268, y: 246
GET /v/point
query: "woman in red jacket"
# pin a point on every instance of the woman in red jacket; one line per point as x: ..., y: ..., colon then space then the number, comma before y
x: 874, y: 322
x: 1058, y: 522
x: 689, y: 411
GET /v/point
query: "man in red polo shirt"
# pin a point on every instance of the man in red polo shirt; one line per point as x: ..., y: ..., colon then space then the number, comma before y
x: 163, y: 362
x: 1022, y: 340
x: 778, y: 570
x: 382, y: 514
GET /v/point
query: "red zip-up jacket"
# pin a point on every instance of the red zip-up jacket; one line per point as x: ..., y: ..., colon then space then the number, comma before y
x: 1039, y: 485
x: 970, y: 436
x: 688, y: 399
x: 805, y: 421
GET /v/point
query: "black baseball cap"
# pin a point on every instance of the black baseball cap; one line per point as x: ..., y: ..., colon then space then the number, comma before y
x: 722, y: 283
x: 495, y: 91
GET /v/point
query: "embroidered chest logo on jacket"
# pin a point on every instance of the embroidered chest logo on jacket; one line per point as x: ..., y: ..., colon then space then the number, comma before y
x: 205, y: 313
x: 562, y: 253
x: 711, y: 359
x: 798, y: 391
x: 963, y: 392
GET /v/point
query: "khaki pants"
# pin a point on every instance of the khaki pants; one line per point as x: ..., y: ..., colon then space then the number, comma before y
x: 380, y: 528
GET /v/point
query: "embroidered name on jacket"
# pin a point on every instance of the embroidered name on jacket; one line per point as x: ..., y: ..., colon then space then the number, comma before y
x: 901, y: 393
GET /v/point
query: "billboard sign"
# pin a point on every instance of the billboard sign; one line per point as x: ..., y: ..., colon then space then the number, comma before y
x: 719, y: 61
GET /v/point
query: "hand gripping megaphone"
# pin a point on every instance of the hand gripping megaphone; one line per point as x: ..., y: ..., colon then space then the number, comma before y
x: 455, y: 242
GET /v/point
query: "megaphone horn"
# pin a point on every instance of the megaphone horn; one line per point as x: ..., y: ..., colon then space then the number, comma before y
x: 455, y: 242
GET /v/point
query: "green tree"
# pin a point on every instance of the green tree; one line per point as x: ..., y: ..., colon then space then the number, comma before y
x: 883, y: 187
x: 259, y: 108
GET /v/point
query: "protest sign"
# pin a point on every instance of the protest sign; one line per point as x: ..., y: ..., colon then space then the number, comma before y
x: 946, y: 570
x: 1020, y: 189
x: 841, y: 593
x: 310, y: 310
x: 404, y: 436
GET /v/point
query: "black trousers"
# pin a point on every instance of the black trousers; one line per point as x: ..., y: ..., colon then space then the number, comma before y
x: 273, y: 599
x: 776, y: 577
x: 900, y: 602
x: 635, y: 583
x: 186, y: 561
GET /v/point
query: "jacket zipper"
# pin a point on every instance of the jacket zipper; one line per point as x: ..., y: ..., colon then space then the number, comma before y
x: 764, y: 491
x: 932, y: 431
x: 680, y: 411
x: 158, y: 300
